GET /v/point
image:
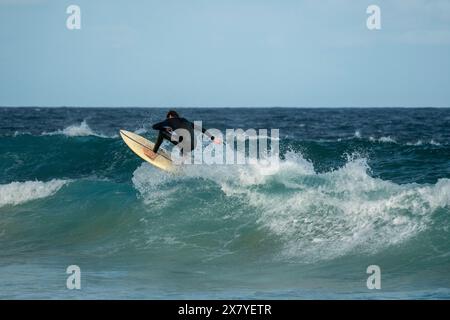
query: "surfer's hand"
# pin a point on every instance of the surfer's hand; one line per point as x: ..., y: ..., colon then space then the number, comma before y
x: 217, y: 141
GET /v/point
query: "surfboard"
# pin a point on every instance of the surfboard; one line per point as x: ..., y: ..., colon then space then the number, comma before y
x: 138, y: 144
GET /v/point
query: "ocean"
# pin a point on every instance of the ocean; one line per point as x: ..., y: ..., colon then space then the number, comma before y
x: 354, y: 188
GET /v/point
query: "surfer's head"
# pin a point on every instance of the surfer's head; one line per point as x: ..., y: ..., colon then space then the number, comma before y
x: 172, y: 114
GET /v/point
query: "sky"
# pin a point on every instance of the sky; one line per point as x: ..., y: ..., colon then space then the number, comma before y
x: 225, y: 53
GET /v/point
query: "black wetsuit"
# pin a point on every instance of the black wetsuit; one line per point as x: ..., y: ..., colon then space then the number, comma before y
x: 171, y: 124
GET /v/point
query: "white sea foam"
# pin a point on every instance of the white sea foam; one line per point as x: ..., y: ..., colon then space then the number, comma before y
x: 150, y: 182
x: 417, y: 143
x: 141, y: 131
x: 76, y: 130
x: 434, y: 143
x: 387, y: 139
x: 318, y: 215
x: 420, y: 143
x: 16, y: 193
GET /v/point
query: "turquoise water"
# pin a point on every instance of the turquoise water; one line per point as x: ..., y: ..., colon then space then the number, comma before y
x: 355, y: 187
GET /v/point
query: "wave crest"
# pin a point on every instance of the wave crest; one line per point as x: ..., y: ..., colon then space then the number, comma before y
x: 16, y: 193
x: 76, y: 130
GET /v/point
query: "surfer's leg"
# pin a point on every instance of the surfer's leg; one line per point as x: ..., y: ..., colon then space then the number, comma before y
x: 158, y: 142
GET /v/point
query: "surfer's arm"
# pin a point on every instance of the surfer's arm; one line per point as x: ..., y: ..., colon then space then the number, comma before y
x: 205, y: 132
x: 163, y: 125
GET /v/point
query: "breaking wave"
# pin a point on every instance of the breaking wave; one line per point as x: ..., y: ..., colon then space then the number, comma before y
x: 76, y: 130
x: 316, y: 215
x: 16, y: 193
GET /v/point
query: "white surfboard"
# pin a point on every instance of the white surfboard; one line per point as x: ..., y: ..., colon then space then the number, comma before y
x: 138, y: 144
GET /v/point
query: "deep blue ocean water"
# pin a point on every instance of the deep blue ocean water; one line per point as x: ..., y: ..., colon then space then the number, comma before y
x: 355, y: 187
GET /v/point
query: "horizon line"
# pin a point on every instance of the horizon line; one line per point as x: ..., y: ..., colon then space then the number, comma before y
x: 230, y: 107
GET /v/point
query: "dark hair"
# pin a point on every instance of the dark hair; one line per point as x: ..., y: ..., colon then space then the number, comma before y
x: 173, y: 114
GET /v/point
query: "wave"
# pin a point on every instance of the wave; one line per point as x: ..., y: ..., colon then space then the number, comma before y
x: 357, y: 135
x: 434, y: 143
x: 142, y: 130
x: 387, y: 139
x: 20, y: 133
x: 77, y: 130
x: 317, y: 216
x: 416, y: 144
x: 421, y: 143
x: 16, y: 193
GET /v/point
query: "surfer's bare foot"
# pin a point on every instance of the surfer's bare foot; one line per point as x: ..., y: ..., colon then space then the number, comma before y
x: 150, y: 154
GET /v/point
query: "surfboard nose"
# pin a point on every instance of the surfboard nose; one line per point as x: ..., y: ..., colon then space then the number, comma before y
x: 124, y: 133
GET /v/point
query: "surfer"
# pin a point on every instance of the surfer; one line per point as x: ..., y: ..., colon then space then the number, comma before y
x: 167, y: 131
